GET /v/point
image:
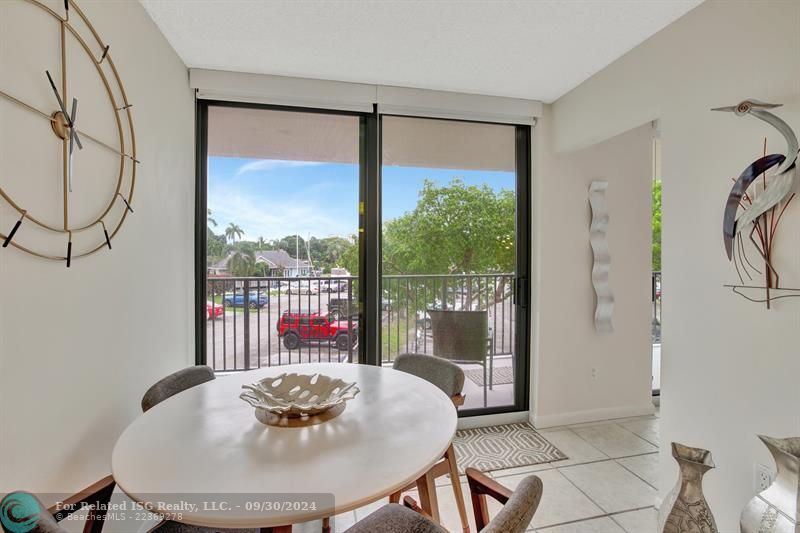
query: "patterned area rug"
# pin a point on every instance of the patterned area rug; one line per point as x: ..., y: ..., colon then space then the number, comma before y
x: 503, y: 375
x: 506, y: 446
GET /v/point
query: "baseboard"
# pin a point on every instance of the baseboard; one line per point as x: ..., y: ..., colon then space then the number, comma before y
x: 591, y: 415
x: 493, y: 420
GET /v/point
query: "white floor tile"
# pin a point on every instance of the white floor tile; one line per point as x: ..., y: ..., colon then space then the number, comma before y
x: 644, y: 466
x: 610, y: 486
x: 643, y: 521
x: 647, y: 429
x: 528, y: 469
x: 574, y: 447
x: 561, y: 501
x: 597, y: 525
x: 614, y: 440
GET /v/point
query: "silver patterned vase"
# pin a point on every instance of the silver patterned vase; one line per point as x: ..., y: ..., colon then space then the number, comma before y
x: 777, y: 509
x: 685, y: 509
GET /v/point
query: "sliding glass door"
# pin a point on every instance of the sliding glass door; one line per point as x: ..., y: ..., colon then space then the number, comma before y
x: 351, y: 237
x: 452, y: 258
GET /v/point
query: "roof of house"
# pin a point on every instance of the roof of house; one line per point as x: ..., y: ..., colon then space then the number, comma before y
x: 280, y: 259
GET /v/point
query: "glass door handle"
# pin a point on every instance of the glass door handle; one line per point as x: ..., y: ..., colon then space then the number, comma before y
x: 519, y: 291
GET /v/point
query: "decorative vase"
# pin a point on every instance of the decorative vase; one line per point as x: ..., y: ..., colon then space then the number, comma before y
x: 777, y: 509
x: 685, y: 509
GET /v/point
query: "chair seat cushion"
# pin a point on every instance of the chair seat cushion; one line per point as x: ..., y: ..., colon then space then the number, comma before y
x: 394, y: 518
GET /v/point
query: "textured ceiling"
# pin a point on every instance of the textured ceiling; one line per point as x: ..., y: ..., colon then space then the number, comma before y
x: 526, y: 49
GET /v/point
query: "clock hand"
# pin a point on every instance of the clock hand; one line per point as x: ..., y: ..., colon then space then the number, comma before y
x: 63, y: 109
x: 72, y: 138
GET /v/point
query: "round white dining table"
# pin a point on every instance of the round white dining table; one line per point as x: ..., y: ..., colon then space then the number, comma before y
x: 205, y: 443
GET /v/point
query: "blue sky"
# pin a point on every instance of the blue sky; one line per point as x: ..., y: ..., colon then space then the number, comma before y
x: 272, y: 199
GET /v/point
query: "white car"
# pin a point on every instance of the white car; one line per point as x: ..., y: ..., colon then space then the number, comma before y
x: 303, y: 287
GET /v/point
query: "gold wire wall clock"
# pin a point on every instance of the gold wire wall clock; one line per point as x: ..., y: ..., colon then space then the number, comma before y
x: 68, y: 167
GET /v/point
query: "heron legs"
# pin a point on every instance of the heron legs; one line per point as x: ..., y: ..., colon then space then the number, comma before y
x: 764, y: 256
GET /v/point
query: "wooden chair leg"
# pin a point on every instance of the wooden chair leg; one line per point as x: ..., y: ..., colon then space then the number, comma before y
x: 427, y: 496
x: 450, y: 457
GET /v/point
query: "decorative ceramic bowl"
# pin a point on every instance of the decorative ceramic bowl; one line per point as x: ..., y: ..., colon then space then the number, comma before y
x: 298, y: 395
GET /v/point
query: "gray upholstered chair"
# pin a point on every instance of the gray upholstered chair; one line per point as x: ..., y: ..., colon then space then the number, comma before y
x: 449, y: 377
x: 463, y: 337
x: 444, y: 374
x: 174, y: 383
x: 23, y: 511
x: 170, y: 386
x: 518, y: 509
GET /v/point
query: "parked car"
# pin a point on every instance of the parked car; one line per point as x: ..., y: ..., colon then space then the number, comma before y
x: 338, y: 309
x: 297, y: 328
x: 303, y: 287
x: 333, y: 285
x: 254, y: 299
x: 214, y: 310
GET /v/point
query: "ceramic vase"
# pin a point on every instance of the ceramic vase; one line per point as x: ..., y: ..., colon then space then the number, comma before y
x: 685, y: 509
x: 777, y: 509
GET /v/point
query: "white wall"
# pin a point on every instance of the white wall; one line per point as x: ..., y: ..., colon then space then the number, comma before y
x: 729, y: 367
x: 578, y: 374
x: 79, y: 346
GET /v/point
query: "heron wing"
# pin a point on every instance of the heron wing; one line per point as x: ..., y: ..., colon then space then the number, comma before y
x: 777, y: 189
x: 755, y: 169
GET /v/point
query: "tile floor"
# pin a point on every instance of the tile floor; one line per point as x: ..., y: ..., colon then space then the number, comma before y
x: 608, y: 484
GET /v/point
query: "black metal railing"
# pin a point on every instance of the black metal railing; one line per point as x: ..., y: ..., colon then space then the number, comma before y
x: 656, y: 299
x: 406, y: 325
x: 272, y: 321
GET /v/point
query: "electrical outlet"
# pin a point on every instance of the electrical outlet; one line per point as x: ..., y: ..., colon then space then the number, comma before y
x: 763, y: 477
x: 594, y: 373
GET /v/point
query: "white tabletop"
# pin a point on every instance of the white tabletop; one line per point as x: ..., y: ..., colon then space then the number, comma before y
x: 207, y: 441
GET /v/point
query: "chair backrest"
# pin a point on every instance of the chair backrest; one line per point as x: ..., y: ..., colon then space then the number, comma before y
x: 517, y: 513
x: 446, y: 375
x: 460, y: 335
x: 174, y: 383
x: 23, y: 511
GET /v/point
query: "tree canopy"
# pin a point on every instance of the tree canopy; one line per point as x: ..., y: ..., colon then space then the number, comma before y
x: 455, y: 228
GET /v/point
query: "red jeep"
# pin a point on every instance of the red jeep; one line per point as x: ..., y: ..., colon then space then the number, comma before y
x: 299, y: 327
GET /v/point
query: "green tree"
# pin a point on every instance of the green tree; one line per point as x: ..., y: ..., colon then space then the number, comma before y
x: 656, y: 224
x: 261, y: 243
x: 242, y: 263
x: 210, y: 220
x: 349, y: 257
x: 233, y: 232
x: 456, y: 228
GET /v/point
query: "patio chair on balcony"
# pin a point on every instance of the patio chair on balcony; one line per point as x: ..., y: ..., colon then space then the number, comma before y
x: 463, y: 337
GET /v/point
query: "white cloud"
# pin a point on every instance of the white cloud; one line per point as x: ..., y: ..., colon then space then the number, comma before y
x: 273, y: 164
x: 259, y: 217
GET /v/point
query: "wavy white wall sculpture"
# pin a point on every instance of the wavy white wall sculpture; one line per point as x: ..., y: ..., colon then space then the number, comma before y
x: 602, y: 257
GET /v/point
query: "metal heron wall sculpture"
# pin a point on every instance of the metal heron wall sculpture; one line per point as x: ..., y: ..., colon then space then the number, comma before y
x: 762, y: 209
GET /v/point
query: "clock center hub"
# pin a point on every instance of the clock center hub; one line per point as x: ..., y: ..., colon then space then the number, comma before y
x: 60, y: 125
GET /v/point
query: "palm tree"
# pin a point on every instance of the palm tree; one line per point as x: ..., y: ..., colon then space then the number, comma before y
x: 233, y: 232
x: 241, y: 263
x: 211, y: 219
x: 261, y: 243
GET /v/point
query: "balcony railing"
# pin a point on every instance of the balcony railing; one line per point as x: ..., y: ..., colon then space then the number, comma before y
x: 273, y: 321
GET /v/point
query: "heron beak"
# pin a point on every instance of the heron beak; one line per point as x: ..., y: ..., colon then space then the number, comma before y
x: 729, y: 109
x: 764, y: 105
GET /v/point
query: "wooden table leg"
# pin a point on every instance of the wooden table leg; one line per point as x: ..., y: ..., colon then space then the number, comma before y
x: 395, y: 497
x: 277, y: 529
x: 426, y: 487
